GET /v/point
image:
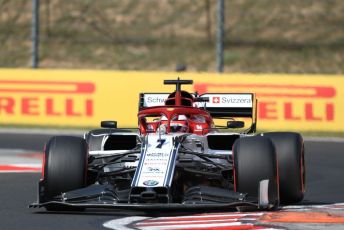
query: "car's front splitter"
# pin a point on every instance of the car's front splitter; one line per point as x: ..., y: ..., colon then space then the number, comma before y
x: 237, y: 206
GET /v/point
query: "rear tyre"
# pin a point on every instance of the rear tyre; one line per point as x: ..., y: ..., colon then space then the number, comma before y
x: 290, y: 154
x: 65, y: 166
x: 254, y: 160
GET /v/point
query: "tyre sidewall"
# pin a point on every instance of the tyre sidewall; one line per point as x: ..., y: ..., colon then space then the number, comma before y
x: 290, y: 154
x: 254, y: 160
x: 65, y: 165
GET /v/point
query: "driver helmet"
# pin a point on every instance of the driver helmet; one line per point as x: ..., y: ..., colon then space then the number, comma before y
x: 179, y: 126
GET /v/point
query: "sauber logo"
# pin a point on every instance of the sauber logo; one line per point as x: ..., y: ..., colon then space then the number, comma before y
x: 216, y: 100
x: 47, y: 98
x: 289, y: 102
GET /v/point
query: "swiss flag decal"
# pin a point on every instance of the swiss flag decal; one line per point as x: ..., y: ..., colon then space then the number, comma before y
x: 216, y: 100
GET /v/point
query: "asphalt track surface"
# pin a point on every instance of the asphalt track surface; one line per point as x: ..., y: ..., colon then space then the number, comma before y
x: 324, y: 185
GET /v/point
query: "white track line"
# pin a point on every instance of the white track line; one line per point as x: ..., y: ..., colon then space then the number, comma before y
x: 228, y: 220
x: 197, y: 226
x: 212, y: 215
x: 121, y: 224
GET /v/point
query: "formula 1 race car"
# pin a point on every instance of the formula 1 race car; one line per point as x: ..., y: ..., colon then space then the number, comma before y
x: 178, y: 158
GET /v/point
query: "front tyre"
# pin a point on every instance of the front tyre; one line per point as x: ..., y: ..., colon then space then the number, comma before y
x: 65, y: 166
x: 291, y: 161
x: 254, y: 160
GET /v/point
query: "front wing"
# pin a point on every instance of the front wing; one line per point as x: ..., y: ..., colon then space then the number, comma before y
x: 198, y: 198
x: 235, y: 206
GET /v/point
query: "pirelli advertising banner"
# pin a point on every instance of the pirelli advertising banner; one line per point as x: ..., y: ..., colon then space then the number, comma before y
x: 84, y: 98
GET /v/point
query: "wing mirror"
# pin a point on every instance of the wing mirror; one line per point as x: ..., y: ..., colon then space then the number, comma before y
x: 235, y: 124
x: 109, y: 124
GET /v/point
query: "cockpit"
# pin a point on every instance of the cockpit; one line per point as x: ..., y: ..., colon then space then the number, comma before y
x: 179, y: 123
x: 177, y: 115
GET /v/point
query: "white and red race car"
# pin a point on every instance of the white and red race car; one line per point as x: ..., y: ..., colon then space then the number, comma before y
x: 178, y: 158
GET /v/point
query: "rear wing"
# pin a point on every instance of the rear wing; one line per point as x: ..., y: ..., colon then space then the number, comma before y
x: 148, y: 100
x: 219, y: 104
x: 232, y: 105
x: 229, y: 104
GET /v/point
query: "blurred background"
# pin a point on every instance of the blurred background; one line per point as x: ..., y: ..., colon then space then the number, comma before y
x: 265, y: 36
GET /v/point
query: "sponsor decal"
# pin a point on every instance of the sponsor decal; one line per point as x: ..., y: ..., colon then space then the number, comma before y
x: 216, y: 100
x: 157, y: 155
x: 284, y: 102
x: 150, y: 183
x: 46, y: 98
x: 155, y: 165
x: 161, y: 143
x: 151, y: 169
x: 227, y: 100
x: 230, y: 100
x: 155, y: 99
x: 83, y: 98
x: 199, y: 127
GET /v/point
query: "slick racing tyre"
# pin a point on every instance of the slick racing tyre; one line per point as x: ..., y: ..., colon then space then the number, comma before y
x: 65, y: 166
x: 254, y: 160
x: 291, y: 163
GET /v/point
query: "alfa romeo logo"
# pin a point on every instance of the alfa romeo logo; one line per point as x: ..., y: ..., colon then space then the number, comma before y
x: 150, y: 182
